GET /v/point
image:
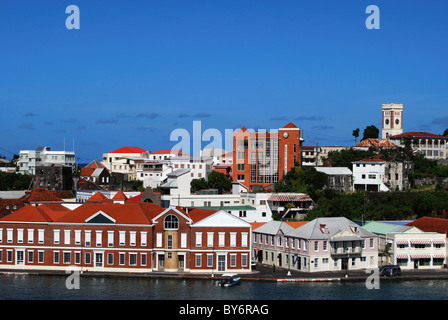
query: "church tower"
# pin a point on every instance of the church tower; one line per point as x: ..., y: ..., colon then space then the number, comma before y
x: 392, y: 120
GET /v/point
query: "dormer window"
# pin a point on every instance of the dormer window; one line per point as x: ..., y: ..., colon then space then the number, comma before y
x: 171, y: 222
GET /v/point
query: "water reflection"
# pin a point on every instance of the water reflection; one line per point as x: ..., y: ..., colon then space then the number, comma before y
x: 34, y: 287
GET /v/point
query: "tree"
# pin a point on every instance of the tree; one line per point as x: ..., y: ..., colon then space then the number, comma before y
x: 303, y: 180
x: 445, y: 133
x: 356, y: 134
x: 198, y: 184
x: 218, y: 180
x: 371, y: 132
x: 345, y: 157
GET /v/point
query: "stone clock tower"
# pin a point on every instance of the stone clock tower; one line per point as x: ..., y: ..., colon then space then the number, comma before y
x: 392, y: 120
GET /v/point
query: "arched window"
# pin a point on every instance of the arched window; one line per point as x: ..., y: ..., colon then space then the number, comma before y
x: 171, y: 222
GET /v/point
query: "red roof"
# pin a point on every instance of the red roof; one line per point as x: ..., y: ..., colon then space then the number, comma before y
x: 290, y: 125
x: 87, y: 172
x: 134, y: 213
x: 99, y: 198
x: 418, y: 134
x: 130, y: 150
x: 196, y: 214
x: 120, y: 196
x: 428, y: 224
x: 28, y: 214
x: 379, y: 143
x: 42, y: 195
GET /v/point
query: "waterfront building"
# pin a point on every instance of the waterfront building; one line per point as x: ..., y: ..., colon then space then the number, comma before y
x: 261, y: 158
x: 323, y: 244
x: 29, y: 160
x: 104, y: 236
x: 408, y: 246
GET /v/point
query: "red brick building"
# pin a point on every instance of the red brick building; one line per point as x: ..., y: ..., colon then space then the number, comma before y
x: 131, y: 237
x: 261, y: 159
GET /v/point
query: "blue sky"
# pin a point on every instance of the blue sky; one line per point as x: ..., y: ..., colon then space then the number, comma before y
x: 137, y: 70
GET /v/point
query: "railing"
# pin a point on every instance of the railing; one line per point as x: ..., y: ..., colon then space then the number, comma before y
x: 346, y: 250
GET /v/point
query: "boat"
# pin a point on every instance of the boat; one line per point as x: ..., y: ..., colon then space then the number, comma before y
x: 229, y: 279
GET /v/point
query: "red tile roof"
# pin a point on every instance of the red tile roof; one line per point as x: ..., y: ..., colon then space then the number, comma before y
x: 196, y: 214
x: 28, y: 214
x: 120, y: 196
x: 87, y: 172
x: 429, y: 224
x: 99, y: 198
x: 378, y: 143
x: 130, y: 150
x: 134, y: 213
x: 42, y: 195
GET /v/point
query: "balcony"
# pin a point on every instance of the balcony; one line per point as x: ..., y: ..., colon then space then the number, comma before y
x: 344, y: 251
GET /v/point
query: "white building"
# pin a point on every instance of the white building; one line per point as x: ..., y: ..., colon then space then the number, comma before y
x: 369, y: 175
x: 123, y: 160
x: 392, y: 120
x: 432, y: 146
x: 29, y: 160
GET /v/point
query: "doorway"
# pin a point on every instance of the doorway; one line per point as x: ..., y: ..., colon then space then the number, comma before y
x: 99, y: 261
x: 221, y: 263
x: 20, y: 257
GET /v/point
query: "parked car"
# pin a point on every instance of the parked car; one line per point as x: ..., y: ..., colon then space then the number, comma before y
x: 390, y: 270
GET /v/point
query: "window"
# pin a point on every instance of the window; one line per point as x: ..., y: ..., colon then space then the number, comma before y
x: 98, y: 238
x: 110, y: 238
x: 244, y: 237
x: 132, y: 235
x: 87, y: 258
x: 40, y: 257
x: 198, y: 259
x: 19, y: 235
x: 77, y: 257
x: 56, y: 236
x: 198, y: 239
x: 66, y: 236
x: 209, y: 260
x: 30, y: 235
x: 121, y: 258
x: 67, y: 257
x: 144, y: 238
x: 233, y: 260
x: 143, y: 259
x: 170, y: 242
x: 30, y: 256
x: 40, y: 236
x: 158, y: 240
x: 233, y: 239
x: 316, y: 245
x: 221, y: 239
x: 132, y: 259
x: 88, y: 237
x: 244, y: 260
x: 77, y: 236
x: 371, y: 243
x: 183, y: 240
x: 110, y: 258
x: 209, y: 239
x: 171, y: 222
x: 56, y: 257
x: 122, y: 238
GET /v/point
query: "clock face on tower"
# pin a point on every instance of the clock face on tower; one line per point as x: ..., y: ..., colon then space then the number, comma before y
x: 285, y: 135
x: 397, y: 121
x: 387, y: 121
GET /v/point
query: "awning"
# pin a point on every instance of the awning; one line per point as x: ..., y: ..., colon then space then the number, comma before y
x: 402, y: 241
x: 439, y: 256
x: 421, y: 241
x: 420, y: 256
x: 438, y: 241
x: 402, y: 256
